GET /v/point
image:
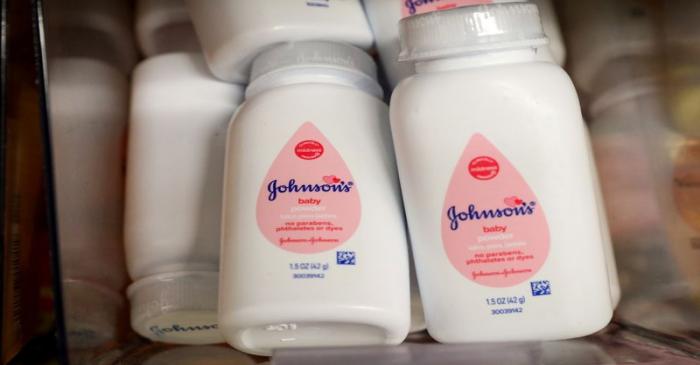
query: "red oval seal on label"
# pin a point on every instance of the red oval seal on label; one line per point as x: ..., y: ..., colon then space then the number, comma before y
x: 484, y: 168
x: 308, y: 149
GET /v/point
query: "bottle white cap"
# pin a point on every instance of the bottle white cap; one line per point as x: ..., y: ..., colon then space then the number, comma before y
x: 470, y: 29
x: 179, y: 307
x: 344, y: 60
x: 315, y: 53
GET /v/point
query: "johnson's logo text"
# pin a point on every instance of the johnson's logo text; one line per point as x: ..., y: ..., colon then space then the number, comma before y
x: 175, y: 328
x: 472, y: 213
x: 331, y: 184
x: 413, y: 5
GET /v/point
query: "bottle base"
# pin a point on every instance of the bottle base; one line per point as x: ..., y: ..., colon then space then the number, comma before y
x: 259, y: 331
x: 261, y: 340
x: 541, y: 334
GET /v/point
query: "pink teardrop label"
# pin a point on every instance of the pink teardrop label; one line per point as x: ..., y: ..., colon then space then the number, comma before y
x: 308, y: 202
x: 416, y: 7
x: 494, y: 229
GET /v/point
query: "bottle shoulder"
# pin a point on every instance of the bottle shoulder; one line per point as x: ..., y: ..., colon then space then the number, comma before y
x: 531, y: 74
x: 495, y: 86
x: 329, y: 107
x: 515, y: 98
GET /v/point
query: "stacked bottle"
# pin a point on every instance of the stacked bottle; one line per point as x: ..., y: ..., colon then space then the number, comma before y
x: 91, y: 53
x: 233, y: 33
x: 178, y: 120
x: 88, y: 113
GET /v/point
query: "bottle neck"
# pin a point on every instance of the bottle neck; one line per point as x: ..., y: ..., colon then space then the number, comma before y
x: 481, y: 59
x: 314, y: 75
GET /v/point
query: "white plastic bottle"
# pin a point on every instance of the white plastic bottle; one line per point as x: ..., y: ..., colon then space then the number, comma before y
x: 164, y: 26
x: 233, y: 33
x: 384, y: 17
x: 89, y: 100
x: 496, y: 178
x: 314, y: 249
x: 179, y: 116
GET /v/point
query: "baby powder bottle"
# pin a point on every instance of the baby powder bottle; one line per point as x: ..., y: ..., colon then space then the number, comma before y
x: 179, y: 115
x: 314, y: 250
x: 497, y: 181
x: 233, y: 33
x: 88, y: 114
x: 384, y: 17
x: 164, y: 26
